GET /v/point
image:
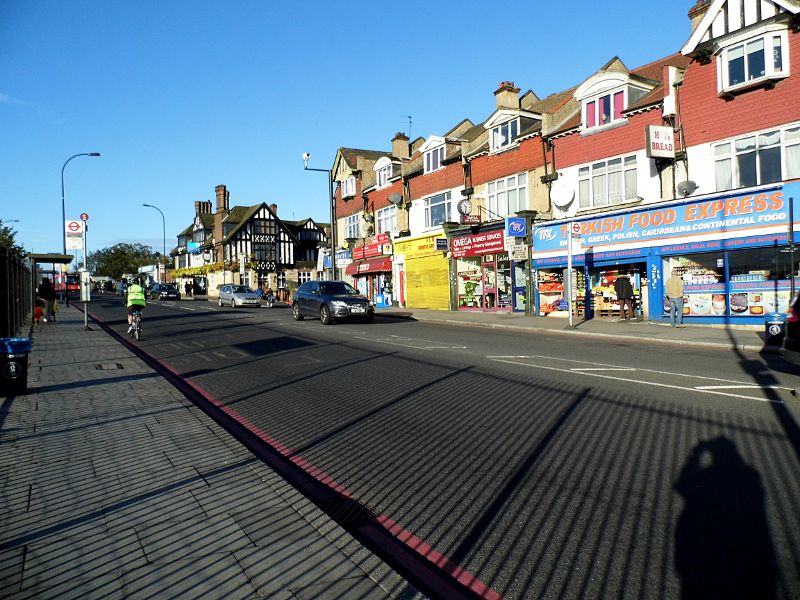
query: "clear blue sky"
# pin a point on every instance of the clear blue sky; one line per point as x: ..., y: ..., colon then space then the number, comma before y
x: 180, y: 96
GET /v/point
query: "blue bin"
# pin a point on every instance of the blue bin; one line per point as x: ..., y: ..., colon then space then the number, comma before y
x: 14, y: 354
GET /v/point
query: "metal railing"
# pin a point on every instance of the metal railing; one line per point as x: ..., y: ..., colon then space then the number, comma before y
x: 16, y: 292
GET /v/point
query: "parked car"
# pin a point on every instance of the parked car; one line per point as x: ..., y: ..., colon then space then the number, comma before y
x: 791, y: 341
x: 238, y: 295
x: 331, y: 301
x: 163, y: 291
x: 122, y: 288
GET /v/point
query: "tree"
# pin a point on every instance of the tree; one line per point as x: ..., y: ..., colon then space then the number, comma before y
x: 8, y: 238
x: 120, y: 259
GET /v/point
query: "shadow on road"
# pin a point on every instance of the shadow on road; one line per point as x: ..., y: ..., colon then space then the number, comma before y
x: 723, y: 547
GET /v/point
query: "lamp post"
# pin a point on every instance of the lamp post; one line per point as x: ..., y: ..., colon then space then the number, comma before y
x: 63, y: 207
x: 164, y: 232
x: 332, y: 200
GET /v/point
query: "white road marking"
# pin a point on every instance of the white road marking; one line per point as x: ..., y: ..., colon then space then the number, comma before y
x: 582, y: 369
x: 639, y: 381
x: 743, y: 386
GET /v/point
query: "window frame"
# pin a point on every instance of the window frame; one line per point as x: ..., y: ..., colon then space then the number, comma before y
x: 434, y: 159
x: 494, y: 193
x: 598, y: 172
x: 386, y: 220
x: 382, y: 176
x: 726, y: 151
x: 442, y: 198
x: 513, y: 127
x: 767, y: 37
x: 348, y: 186
x: 615, y: 113
x: 352, y: 226
x: 303, y: 277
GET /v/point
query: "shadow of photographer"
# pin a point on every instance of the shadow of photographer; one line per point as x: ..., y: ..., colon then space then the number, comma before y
x: 723, y: 547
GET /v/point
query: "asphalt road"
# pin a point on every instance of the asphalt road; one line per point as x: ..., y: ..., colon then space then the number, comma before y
x: 545, y: 466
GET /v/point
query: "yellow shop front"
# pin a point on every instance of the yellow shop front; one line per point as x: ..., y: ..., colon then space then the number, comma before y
x: 422, y: 272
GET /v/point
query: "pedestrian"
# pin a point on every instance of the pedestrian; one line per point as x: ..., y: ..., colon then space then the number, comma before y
x: 188, y: 289
x: 624, y: 291
x: 47, y: 293
x: 674, y: 290
x: 269, y: 296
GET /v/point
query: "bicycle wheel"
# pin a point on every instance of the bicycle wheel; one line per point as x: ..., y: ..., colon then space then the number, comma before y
x: 138, y: 328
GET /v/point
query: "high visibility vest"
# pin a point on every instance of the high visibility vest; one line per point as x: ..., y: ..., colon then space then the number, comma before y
x: 136, y: 295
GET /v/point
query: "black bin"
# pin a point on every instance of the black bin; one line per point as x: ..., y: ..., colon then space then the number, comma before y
x: 774, y: 329
x: 14, y: 354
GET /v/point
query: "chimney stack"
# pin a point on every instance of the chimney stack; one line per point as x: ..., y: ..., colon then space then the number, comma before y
x: 400, y: 147
x: 698, y: 11
x: 197, y: 209
x: 222, y: 198
x: 274, y: 208
x: 507, y: 96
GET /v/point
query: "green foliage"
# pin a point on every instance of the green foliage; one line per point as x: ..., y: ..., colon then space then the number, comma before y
x: 119, y: 259
x: 8, y: 238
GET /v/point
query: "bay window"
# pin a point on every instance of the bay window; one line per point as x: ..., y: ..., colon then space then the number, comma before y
x: 754, y: 60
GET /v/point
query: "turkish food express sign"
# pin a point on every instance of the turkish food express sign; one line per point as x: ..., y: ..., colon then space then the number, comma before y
x: 743, y: 215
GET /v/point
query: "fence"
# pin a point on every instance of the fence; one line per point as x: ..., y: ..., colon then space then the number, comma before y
x: 16, y: 292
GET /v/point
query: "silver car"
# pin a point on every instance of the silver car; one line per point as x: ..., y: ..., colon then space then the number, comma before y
x: 238, y: 295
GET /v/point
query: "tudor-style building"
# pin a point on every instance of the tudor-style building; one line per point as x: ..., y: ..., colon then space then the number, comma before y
x: 249, y: 245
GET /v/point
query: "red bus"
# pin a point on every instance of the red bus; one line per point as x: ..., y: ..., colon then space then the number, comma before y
x: 73, y: 283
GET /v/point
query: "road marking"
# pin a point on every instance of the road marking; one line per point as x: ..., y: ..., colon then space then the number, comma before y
x: 581, y: 369
x: 639, y: 381
x: 743, y: 386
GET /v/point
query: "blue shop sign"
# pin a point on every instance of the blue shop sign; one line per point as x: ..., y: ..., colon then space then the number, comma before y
x: 516, y: 227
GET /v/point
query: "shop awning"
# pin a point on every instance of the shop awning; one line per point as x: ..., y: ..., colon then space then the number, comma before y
x: 373, y: 265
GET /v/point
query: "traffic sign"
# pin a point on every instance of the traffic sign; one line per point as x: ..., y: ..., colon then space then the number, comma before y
x: 73, y: 226
x: 84, y: 217
x: 575, y: 228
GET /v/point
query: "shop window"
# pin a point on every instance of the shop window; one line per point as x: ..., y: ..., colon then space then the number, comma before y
x: 507, y: 196
x: 608, y: 182
x: 437, y: 209
x: 757, y: 159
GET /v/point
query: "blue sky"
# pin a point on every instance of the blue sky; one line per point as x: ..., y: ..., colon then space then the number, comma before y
x: 180, y: 96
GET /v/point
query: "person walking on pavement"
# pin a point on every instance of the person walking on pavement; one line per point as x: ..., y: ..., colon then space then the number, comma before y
x: 674, y: 289
x: 624, y: 292
x: 188, y: 289
x: 47, y: 293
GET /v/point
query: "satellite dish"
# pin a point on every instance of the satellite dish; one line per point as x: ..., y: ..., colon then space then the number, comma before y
x: 367, y: 230
x: 561, y: 195
x: 367, y: 216
x: 686, y: 188
x: 396, y: 198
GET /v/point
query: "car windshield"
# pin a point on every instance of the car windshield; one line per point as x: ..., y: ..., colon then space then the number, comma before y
x: 168, y: 288
x: 337, y: 288
x: 241, y: 289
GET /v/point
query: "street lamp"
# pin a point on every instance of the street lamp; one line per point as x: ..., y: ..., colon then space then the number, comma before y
x: 164, y: 232
x: 63, y: 208
x: 332, y: 199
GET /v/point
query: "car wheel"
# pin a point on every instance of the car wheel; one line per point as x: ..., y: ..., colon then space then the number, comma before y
x: 219, y: 301
x: 325, y: 316
x: 233, y: 303
x: 368, y: 318
x: 296, y: 312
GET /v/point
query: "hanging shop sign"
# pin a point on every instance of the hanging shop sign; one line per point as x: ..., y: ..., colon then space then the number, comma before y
x: 660, y: 142
x: 731, y: 216
x: 475, y: 245
x: 515, y: 227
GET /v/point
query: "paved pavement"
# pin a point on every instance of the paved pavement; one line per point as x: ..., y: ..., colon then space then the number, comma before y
x: 115, y: 485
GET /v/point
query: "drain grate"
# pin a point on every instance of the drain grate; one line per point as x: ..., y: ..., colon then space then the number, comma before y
x: 109, y: 367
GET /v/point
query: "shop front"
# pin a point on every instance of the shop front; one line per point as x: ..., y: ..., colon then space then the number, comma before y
x: 729, y: 249
x: 371, y: 269
x: 483, y: 273
x: 421, y: 272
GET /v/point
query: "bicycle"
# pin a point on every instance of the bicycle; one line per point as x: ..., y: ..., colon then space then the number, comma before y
x: 136, y: 325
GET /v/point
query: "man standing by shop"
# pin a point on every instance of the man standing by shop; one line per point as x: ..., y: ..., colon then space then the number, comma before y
x: 674, y: 290
x: 624, y: 291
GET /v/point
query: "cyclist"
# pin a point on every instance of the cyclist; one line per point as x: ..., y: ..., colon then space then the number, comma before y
x: 134, y: 300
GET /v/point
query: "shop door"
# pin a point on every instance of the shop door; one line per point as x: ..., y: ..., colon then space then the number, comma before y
x: 504, y: 297
x: 519, y: 289
x: 489, y: 283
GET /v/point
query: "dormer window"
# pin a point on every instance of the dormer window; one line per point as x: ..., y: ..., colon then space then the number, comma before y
x: 383, y: 175
x: 504, y: 135
x: 602, y: 111
x: 752, y: 61
x: 434, y: 159
x: 348, y: 187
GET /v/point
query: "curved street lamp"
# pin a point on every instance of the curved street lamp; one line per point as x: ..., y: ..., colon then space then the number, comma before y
x: 63, y: 208
x: 164, y: 232
x: 332, y: 200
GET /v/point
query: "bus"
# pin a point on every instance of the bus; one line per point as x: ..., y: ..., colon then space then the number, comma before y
x: 71, y: 282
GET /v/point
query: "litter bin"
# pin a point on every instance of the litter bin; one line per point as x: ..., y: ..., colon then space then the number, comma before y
x: 774, y: 329
x: 14, y: 365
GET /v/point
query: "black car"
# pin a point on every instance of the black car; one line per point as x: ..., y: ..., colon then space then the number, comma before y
x: 791, y: 341
x: 163, y: 291
x: 331, y: 301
